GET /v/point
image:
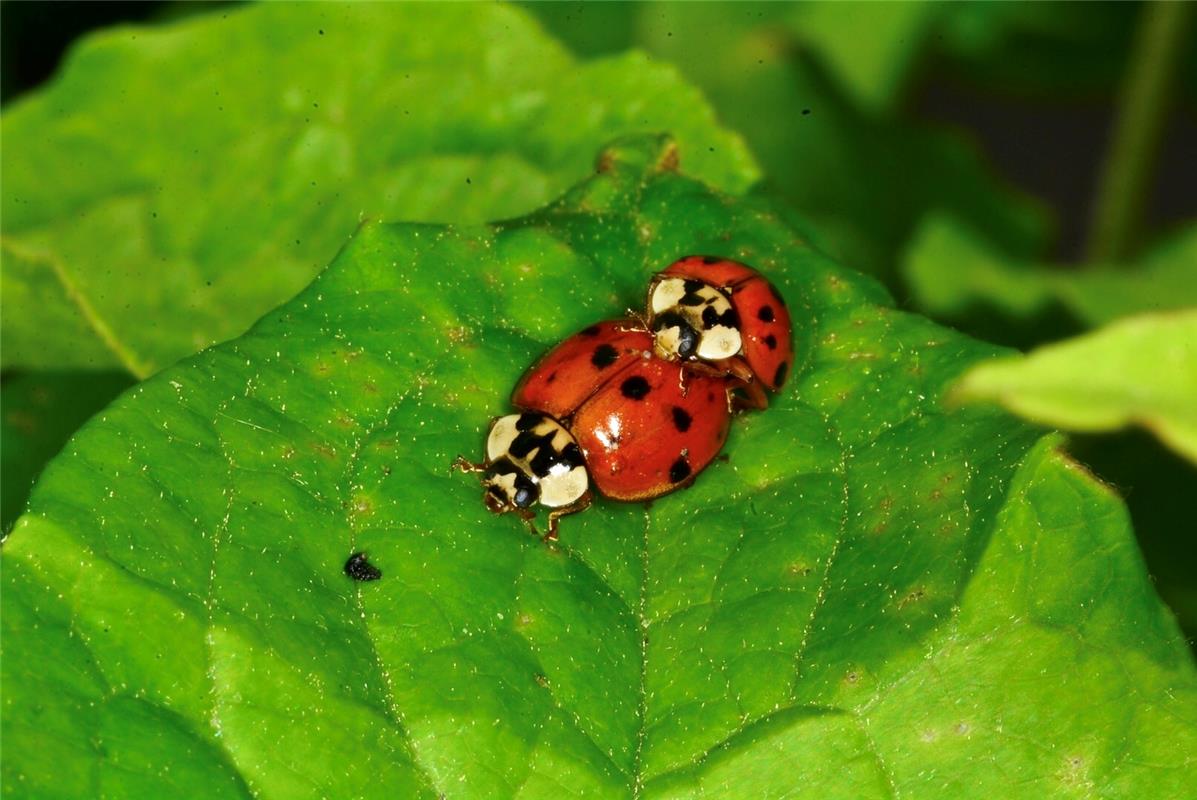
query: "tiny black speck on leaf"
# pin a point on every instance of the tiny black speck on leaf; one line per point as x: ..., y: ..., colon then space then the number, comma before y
x: 805, y: 112
x: 358, y: 568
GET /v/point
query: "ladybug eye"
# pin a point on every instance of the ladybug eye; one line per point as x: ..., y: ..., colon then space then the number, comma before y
x: 525, y: 496
x: 686, y: 338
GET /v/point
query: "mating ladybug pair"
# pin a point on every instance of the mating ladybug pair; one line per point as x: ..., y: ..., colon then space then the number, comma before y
x: 640, y: 406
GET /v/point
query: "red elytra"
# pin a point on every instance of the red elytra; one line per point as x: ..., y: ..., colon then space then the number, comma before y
x: 764, y: 321
x: 646, y: 427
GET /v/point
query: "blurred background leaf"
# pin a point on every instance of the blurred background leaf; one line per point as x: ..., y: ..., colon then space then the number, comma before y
x: 1137, y: 371
x: 783, y: 75
x: 956, y: 275
x: 173, y: 184
x: 41, y: 411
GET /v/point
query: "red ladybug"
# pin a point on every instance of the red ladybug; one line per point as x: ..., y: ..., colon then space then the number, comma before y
x: 602, y: 407
x: 718, y: 315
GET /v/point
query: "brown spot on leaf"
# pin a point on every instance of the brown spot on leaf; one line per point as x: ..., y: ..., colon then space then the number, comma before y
x: 912, y: 597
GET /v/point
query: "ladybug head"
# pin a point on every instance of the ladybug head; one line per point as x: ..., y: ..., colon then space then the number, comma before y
x: 693, y: 320
x: 508, y: 487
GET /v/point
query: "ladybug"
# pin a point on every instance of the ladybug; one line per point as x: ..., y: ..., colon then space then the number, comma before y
x: 602, y: 408
x: 531, y: 459
x: 718, y: 315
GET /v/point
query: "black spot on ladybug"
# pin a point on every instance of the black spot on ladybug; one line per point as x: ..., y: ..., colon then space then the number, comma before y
x: 527, y: 441
x: 711, y: 259
x: 360, y: 569
x: 771, y: 342
x: 680, y: 470
x: 543, y: 461
x: 593, y: 330
x: 710, y: 397
x: 692, y: 285
x: 604, y: 356
x: 728, y: 319
x: 691, y: 299
x: 528, y: 420
x: 681, y: 419
x: 501, y: 466
x: 552, y: 377
x: 572, y: 455
x: 780, y: 377
x: 635, y: 387
x: 765, y: 314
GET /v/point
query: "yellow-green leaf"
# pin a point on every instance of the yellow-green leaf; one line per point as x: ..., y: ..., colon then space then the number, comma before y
x: 1137, y: 371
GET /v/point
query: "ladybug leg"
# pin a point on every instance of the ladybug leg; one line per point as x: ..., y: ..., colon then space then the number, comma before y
x: 635, y: 322
x: 737, y: 367
x: 747, y: 395
x: 463, y: 464
x: 529, y: 518
x: 581, y: 504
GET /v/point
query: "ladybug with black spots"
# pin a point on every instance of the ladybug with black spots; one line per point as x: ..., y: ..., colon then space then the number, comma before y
x: 719, y: 316
x: 601, y: 408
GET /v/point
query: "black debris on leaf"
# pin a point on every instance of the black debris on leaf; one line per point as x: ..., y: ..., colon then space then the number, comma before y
x: 360, y: 569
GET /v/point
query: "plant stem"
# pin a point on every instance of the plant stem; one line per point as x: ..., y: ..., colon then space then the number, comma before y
x: 1134, y: 144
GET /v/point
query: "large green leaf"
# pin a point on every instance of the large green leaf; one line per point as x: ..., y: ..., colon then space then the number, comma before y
x: 874, y: 596
x: 172, y: 184
x: 1141, y: 370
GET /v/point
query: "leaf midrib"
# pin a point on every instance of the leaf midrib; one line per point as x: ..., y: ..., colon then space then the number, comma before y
x: 124, y: 353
